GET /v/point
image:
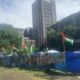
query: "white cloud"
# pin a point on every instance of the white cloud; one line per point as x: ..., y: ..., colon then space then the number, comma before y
x: 67, y: 7
x: 19, y: 12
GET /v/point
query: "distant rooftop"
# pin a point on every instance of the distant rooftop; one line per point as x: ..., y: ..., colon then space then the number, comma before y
x: 2, y: 26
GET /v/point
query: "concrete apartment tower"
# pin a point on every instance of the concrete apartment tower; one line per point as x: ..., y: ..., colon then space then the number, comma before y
x: 44, y: 15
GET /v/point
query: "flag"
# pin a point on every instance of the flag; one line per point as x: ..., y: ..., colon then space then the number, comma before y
x: 13, y: 46
x: 31, y: 46
x: 67, y: 40
x: 23, y: 43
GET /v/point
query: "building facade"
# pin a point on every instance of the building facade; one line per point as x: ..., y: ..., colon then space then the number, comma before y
x: 44, y: 15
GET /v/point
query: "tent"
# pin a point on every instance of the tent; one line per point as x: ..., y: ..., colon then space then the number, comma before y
x: 53, y: 51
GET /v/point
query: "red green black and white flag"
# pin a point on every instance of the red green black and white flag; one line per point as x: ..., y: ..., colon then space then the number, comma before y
x: 67, y: 40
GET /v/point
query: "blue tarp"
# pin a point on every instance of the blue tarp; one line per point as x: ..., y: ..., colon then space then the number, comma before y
x: 73, y: 61
x: 60, y: 66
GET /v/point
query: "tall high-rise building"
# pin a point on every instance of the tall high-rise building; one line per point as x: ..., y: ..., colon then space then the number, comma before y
x: 44, y: 15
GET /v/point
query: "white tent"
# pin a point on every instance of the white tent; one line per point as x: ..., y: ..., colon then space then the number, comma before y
x: 53, y: 51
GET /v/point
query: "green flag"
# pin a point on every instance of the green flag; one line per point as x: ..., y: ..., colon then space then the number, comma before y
x: 68, y: 41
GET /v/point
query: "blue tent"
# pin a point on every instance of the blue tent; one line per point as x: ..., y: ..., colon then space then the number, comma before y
x: 73, y: 61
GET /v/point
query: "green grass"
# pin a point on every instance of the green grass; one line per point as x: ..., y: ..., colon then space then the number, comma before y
x: 20, y: 74
x: 23, y: 74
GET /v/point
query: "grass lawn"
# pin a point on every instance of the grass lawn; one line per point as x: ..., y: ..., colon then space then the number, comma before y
x: 20, y: 74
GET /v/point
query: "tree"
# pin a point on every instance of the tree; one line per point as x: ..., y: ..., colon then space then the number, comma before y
x: 70, y: 30
x: 54, y: 40
x: 8, y: 37
x: 50, y: 34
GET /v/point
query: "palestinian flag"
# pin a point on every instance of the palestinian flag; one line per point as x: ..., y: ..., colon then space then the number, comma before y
x: 67, y: 40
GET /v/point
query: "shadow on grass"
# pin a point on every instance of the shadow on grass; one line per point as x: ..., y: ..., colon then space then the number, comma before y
x: 49, y: 74
x: 60, y: 73
x: 7, y: 67
x: 30, y: 69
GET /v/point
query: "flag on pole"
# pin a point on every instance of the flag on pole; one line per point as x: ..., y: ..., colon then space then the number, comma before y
x: 31, y: 46
x: 67, y: 40
x: 23, y: 43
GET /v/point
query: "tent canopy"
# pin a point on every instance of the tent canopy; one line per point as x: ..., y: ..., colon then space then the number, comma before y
x: 53, y: 51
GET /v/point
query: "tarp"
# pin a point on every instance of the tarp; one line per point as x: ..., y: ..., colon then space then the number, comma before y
x: 73, y: 61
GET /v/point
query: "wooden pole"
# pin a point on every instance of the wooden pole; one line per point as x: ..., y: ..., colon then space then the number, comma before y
x: 62, y: 34
x: 45, y: 41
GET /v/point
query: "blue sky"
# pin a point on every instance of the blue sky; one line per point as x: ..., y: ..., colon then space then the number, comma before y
x: 19, y: 12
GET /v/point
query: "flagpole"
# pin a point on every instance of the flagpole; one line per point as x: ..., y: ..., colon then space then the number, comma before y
x: 45, y: 41
x: 22, y: 41
x: 64, y: 46
x: 62, y: 34
x: 31, y: 47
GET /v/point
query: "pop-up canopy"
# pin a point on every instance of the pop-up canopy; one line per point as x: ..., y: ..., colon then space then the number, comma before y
x: 53, y: 51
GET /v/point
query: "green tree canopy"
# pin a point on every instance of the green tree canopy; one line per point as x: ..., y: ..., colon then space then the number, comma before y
x: 8, y: 37
x: 70, y: 30
x: 54, y: 38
